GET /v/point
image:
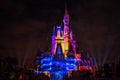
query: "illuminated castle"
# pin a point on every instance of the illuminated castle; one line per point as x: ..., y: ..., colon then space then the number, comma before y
x: 63, y: 56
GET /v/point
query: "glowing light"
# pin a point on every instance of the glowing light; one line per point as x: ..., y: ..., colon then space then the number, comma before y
x: 59, y: 63
x: 46, y: 64
x: 47, y: 73
x: 71, y: 59
x: 46, y: 60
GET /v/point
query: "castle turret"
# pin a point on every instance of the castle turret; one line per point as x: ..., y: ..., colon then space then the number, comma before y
x: 53, y: 40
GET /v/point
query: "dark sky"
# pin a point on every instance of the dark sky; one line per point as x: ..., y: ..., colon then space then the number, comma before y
x: 26, y: 25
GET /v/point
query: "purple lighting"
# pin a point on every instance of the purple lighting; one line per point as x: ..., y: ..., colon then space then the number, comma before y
x: 64, y: 56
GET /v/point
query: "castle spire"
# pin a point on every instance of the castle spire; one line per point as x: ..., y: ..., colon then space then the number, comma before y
x: 66, y: 16
x: 66, y: 10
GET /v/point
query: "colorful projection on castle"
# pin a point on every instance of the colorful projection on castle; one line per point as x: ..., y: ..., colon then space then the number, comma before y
x: 63, y: 56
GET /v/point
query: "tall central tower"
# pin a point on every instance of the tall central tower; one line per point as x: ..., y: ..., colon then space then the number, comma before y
x: 62, y: 36
x: 66, y: 21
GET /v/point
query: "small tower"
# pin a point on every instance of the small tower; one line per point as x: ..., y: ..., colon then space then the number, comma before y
x: 53, y: 40
x: 59, y: 38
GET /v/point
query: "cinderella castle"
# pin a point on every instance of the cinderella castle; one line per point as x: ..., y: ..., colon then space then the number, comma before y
x: 63, y: 56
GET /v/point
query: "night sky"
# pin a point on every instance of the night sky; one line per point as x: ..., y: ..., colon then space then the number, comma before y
x: 26, y: 25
